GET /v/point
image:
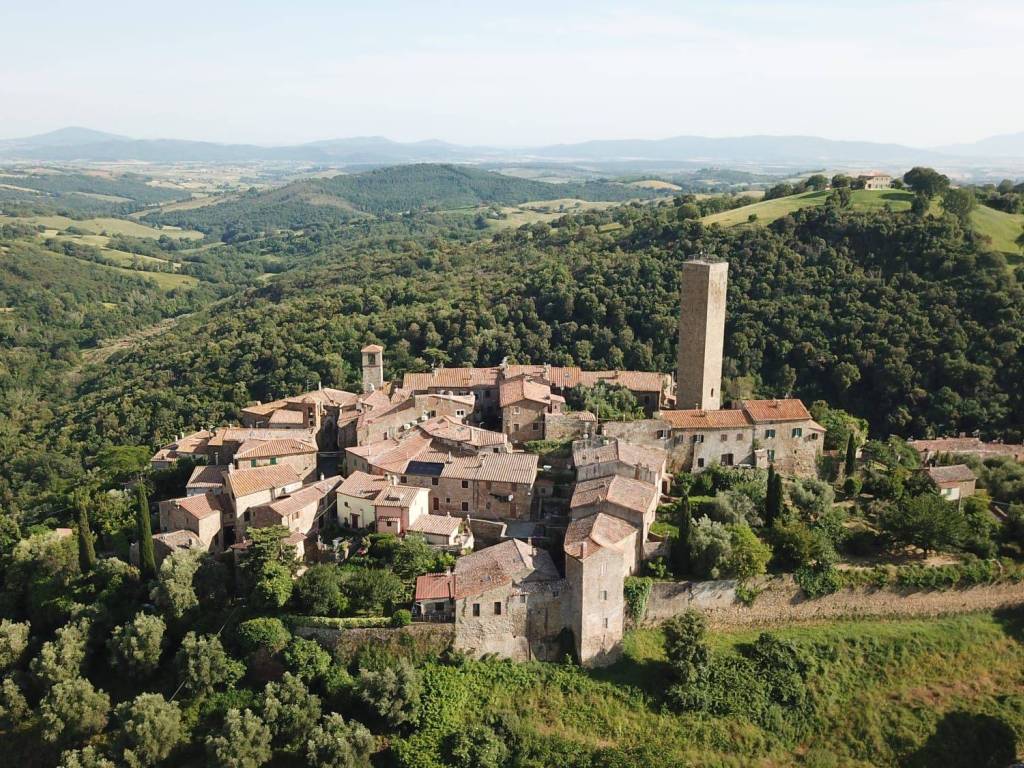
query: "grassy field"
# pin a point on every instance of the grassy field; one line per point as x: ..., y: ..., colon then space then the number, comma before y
x: 1003, y: 228
x: 912, y: 693
x: 112, y: 226
x: 769, y: 210
x: 668, y: 186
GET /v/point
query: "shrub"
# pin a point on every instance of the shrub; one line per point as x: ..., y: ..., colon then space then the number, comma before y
x: 135, y: 647
x: 273, y: 588
x: 375, y: 590
x: 749, y: 556
x: 318, y: 591
x: 306, y: 659
x: 816, y: 581
x: 710, y: 547
x: 263, y: 633
x: 393, y: 692
x: 401, y: 618
x: 244, y: 742
x: 476, y: 747
x: 686, y: 648
x: 852, y: 486
x: 13, y: 643
x: 334, y: 622
x: 636, y: 591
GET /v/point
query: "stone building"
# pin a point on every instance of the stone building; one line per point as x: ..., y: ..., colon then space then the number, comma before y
x: 627, y: 499
x: 600, y: 551
x: 955, y: 482
x: 298, y: 452
x: 373, y: 367
x: 508, y: 601
x: 524, y: 403
x: 605, y: 456
x: 792, y: 441
x: 700, y: 439
x: 701, y: 334
x: 929, y: 450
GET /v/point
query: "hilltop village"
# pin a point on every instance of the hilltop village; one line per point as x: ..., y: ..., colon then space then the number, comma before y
x: 443, y: 454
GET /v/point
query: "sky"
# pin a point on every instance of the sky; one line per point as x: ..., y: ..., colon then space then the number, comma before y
x: 514, y: 74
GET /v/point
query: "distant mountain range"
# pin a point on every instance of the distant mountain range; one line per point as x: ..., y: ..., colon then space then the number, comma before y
x: 83, y: 144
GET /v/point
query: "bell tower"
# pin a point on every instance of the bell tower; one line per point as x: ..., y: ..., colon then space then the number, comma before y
x: 701, y: 334
x: 373, y: 367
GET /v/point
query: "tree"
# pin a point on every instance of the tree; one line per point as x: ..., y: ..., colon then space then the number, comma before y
x: 204, y: 666
x: 686, y: 647
x: 268, y: 634
x: 773, y: 498
x: 62, y: 658
x: 86, y: 550
x: 267, y: 545
x: 393, y: 692
x: 306, y: 659
x: 317, y: 592
x: 850, y: 465
x: 375, y: 590
x: 336, y: 743
x: 710, y: 547
x: 290, y: 711
x: 841, y: 180
x: 476, y: 747
x: 273, y: 588
x: 926, y: 181
x: 244, y: 742
x: 816, y: 182
x: 959, y: 203
x: 147, y: 556
x: 174, y: 592
x: 13, y: 643
x: 749, y: 556
x: 73, y: 710
x: 87, y: 757
x: 680, y: 552
x: 920, y: 204
x: 13, y: 704
x: 135, y: 647
x: 926, y: 521
x: 151, y: 728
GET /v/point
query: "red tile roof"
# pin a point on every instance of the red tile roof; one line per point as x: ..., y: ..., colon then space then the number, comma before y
x: 451, y: 429
x: 438, y: 525
x: 500, y: 565
x: 586, y: 536
x: 776, y: 410
x: 207, y: 476
x: 372, y: 348
x: 698, y: 419
x: 203, y: 505
x: 435, y: 586
x: 951, y: 475
x: 287, y: 416
x: 243, y: 482
x: 264, y: 449
x: 621, y: 491
x: 521, y: 388
x: 451, y: 378
x: 361, y: 485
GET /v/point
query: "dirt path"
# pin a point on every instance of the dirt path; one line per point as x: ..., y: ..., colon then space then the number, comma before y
x: 109, y: 347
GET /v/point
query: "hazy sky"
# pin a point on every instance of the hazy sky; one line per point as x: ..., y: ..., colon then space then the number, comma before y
x: 521, y: 72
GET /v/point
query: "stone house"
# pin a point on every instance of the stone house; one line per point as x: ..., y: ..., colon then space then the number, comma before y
x: 600, y: 551
x: 604, y: 456
x: 508, y: 601
x: 299, y: 453
x: 397, y: 506
x: 876, y: 180
x: 356, y: 496
x: 627, y: 499
x: 434, y: 597
x: 256, y: 486
x: 524, y: 402
x: 955, y: 482
x: 206, y: 478
x: 791, y: 439
x: 448, y: 433
x: 702, y: 438
x: 300, y: 511
x: 202, y: 515
x: 185, y: 446
x: 406, y: 411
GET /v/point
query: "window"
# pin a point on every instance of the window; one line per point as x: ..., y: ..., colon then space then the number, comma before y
x: 404, y: 479
x: 438, y: 607
x: 606, y: 622
x: 739, y: 436
x: 698, y: 438
x: 465, y: 483
x: 246, y: 516
x: 515, y: 427
x: 769, y: 433
x: 487, y: 394
x: 437, y: 502
x: 604, y: 594
x: 797, y: 432
x: 497, y: 608
x: 515, y: 410
x: 662, y: 434
x: 252, y: 463
x: 433, y: 481
x: 814, y: 436
x: 522, y: 599
x: 465, y: 506
x: 724, y: 437
x: 371, y: 358
x: 536, y: 426
x: 460, y: 412
x: 476, y: 609
x: 700, y: 463
x: 771, y: 454
x: 273, y: 460
x: 726, y: 460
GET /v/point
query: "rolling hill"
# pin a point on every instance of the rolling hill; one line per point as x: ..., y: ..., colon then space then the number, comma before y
x: 393, y: 190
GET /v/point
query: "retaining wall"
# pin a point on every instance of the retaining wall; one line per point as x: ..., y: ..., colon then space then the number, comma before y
x: 782, y: 601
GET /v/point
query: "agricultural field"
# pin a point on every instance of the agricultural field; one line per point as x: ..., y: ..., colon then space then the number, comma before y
x: 667, y: 186
x: 97, y: 226
x: 768, y: 211
x: 543, y: 211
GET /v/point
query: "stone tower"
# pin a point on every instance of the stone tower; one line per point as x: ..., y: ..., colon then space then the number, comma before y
x: 701, y: 335
x: 373, y: 367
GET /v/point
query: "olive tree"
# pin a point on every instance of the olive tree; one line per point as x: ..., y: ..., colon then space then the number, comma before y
x: 151, y: 728
x: 135, y: 647
x: 203, y: 665
x: 290, y: 711
x: 73, y: 710
x: 244, y: 742
x: 336, y: 743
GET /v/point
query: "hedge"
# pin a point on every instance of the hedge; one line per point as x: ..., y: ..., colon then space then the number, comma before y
x: 333, y: 622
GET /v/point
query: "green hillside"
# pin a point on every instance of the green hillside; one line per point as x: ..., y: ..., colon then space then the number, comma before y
x: 1003, y: 228
x: 386, y: 191
x: 768, y: 211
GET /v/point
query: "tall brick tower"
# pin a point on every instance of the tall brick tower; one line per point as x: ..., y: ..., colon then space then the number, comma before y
x: 701, y: 334
x: 373, y: 367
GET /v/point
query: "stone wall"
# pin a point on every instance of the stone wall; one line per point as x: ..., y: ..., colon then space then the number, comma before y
x: 419, y: 638
x: 783, y: 602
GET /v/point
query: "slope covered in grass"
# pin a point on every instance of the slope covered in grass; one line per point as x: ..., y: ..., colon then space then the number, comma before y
x: 879, y: 693
x: 1003, y: 228
x: 768, y: 211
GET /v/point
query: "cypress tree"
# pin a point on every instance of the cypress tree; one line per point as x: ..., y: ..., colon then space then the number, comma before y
x: 680, y: 553
x: 772, y: 505
x: 851, y: 457
x: 86, y: 550
x: 147, y: 557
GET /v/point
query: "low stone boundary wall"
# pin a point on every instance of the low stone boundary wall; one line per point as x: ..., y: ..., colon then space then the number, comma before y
x: 425, y: 638
x: 781, y: 601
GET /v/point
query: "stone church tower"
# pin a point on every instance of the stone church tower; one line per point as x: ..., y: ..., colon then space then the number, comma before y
x: 373, y: 367
x: 701, y: 335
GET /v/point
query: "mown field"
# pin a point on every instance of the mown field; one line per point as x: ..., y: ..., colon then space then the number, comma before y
x: 941, y: 692
x: 1003, y: 228
x: 113, y: 226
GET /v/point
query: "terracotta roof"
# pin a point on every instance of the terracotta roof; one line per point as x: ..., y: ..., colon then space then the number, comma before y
x: 451, y: 378
x: 326, y: 396
x: 180, y: 539
x: 361, y: 485
x: 586, y: 536
x: 287, y: 416
x: 776, y: 410
x: 416, y: 454
x: 451, y: 429
x: 202, y: 505
x: 241, y: 434
x: 950, y: 475
x: 637, y: 381
x: 262, y: 409
x: 372, y: 348
x: 400, y: 496
x: 262, y: 449
x: 967, y: 445
x: 698, y: 419
x: 621, y: 491
x: 435, y: 586
x: 521, y: 388
x: 558, y: 376
x: 302, y: 498
x: 439, y: 525
x: 505, y: 563
x: 186, y: 445
x: 207, y: 476
x: 243, y: 482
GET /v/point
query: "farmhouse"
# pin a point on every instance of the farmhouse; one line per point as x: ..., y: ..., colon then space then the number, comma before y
x: 876, y: 180
x: 954, y: 482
